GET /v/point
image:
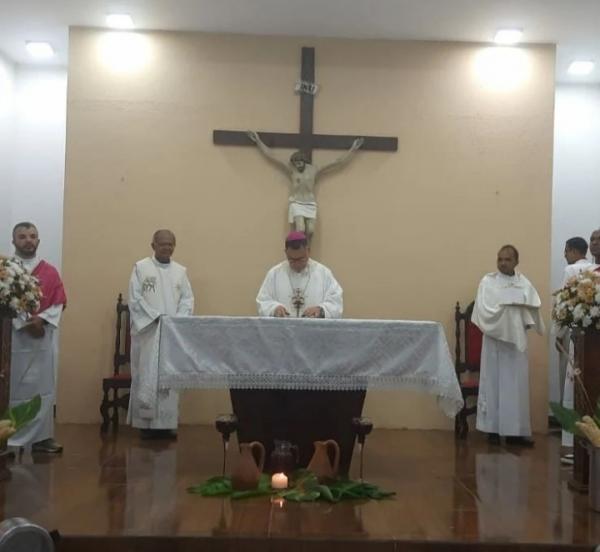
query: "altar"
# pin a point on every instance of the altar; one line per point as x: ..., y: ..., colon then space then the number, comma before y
x: 296, y: 376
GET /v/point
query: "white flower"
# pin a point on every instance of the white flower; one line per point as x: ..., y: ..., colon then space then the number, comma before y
x: 578, y: 312
x: 587, y: 321
x: 595, y: 311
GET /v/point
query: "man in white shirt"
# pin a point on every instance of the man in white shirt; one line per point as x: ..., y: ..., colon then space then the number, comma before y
x: 158, y: 286
x: 300, y: 286
x: 506, y: 306
x: 575, y: 254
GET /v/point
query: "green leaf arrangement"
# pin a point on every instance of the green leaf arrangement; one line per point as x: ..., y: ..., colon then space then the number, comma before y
x: 304, y: 487
x: 24, y: 413
x: 567, y: 417
x: 18, y: 416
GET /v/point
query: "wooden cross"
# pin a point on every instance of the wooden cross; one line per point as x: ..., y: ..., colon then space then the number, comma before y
x: 305, y: 140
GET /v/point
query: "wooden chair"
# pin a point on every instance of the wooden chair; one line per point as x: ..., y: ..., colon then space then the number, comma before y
x: 120, y: 380
x: 467, y: 363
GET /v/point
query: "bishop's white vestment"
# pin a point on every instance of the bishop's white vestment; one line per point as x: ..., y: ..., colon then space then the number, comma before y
x: 505, y: 307
x: 155, y: 289
x: 314, y: 286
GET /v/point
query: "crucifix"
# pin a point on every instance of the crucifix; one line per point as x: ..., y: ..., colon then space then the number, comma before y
x: 302, y: 173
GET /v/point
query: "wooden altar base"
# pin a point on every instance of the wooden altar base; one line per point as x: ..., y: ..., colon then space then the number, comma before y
x: 119, y: 494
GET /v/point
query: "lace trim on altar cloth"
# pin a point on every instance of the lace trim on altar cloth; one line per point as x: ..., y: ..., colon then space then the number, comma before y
x: 448, y: 402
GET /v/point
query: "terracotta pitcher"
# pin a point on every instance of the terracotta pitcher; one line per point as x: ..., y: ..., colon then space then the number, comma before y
x: 320, y: 464
x: 248, y: 468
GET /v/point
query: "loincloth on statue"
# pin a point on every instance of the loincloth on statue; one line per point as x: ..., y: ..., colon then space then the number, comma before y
x: 302, y: 209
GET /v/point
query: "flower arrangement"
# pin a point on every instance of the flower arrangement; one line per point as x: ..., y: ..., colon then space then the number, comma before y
x: 577, y: 305
x: 19, y: 291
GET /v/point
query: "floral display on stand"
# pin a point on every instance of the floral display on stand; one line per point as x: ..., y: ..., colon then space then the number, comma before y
x: 577, y: 307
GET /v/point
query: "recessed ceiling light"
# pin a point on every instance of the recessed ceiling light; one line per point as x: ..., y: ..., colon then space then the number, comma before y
x: 40, y: 50
x: 119, y: 21
x: 508, y: 36
x: 581, y: 67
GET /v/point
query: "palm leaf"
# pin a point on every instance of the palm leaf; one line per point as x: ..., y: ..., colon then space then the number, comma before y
x: 566, y: 417
x: 24, y: 413
x: 215, y: 486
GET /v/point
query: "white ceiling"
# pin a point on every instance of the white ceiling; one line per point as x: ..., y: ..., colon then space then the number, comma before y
x: 573, y: 25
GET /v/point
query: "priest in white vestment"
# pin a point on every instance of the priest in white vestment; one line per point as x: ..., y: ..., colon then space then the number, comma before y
x: 158, y: 286
x: 299, y: 286
x: 575, y: 254
x: 34, y: 346
x: 506, y: 306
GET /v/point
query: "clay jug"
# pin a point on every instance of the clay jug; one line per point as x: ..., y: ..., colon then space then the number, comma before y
x: 248, y: 468
x: 320, y: 464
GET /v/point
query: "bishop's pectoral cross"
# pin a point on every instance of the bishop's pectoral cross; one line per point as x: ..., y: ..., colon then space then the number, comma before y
x: 297, y: 300
x: 305, y: 140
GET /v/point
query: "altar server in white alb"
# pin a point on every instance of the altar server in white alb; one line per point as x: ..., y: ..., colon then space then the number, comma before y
x: 299, y: 286
x: 158, y: 286
x: 34, y: 347
x: 506, y: 306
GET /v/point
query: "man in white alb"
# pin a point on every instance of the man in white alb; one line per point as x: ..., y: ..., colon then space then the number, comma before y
x: 299, y: 286
x: 33, y: 357
x: 158, y: 286
x: 575, y: 254
x: 506, y: 306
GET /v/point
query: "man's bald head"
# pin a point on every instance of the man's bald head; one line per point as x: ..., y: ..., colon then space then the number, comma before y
x: 163, y: 244
x: 163, y: 233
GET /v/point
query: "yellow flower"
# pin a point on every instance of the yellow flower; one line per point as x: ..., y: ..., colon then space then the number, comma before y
x: 7, y: 429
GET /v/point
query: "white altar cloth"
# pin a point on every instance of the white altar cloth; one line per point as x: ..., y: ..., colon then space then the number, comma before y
x: 272, y: 353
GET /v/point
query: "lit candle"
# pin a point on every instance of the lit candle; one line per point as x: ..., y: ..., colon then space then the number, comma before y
x: 279, y: 481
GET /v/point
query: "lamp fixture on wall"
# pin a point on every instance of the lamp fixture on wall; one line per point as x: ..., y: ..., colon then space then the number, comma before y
x: 508, y: 37
x: 580, y: 67
x: 39, y: 50
x: 119, y: 21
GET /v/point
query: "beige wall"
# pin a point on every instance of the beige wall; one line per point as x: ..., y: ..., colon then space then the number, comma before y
x: 407, y: 233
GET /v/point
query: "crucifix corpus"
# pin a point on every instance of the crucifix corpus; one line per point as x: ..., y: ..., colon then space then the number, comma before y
x: 302, y: 212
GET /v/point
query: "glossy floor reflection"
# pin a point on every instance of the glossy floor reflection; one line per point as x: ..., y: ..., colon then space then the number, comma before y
x: 121, y: 487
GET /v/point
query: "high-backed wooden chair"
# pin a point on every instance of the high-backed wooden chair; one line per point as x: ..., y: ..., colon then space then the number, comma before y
x: 120, y: 381
x: 467, y: 363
